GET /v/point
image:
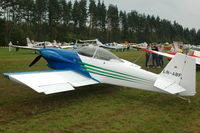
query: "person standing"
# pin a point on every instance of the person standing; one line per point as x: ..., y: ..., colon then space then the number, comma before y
x: 154, y: 56
x: 160, y: 57
x: 180, y: 49
x: 148, y: 57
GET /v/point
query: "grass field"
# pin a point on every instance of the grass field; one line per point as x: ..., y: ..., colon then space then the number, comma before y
x: 89, y: 109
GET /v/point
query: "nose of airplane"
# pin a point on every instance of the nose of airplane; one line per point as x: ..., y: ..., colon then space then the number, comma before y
x: 60, y: 58
x: 56, y: 55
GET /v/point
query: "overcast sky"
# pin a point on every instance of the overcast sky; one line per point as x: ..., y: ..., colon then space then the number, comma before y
x: 185, y: 12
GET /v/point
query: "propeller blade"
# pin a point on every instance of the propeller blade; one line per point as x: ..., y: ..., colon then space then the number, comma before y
x: 35, y: 60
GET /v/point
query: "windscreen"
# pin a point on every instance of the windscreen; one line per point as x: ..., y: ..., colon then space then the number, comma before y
x: 98, y: 53
x: 104, y: 54
x: 87, y: 51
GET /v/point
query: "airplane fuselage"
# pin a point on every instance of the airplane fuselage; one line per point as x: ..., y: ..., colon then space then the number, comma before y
x: 119, y: 73
x: 115, y: 72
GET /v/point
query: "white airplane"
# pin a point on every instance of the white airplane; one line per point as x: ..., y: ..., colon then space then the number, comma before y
x: 96, y: 42
x: 142, y: 45
x: 34, y: 45
x: 63, y: 45
x: 93, y: 42
x: 93, y: 65
x: 45, y: 44
x: 114, y: 45
x: 37, y: 45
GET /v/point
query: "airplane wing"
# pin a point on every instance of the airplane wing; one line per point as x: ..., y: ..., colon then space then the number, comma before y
x: 157, y: 52
x: 21, y: 47
x: 51, y: 81
x: 24, y: 47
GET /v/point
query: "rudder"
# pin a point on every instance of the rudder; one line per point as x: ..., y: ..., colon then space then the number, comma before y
x: 182, y: 70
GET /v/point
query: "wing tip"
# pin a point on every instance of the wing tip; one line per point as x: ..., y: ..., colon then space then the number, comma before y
x: 6, y: 75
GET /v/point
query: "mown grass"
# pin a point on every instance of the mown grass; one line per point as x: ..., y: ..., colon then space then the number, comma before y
x: 97, y: 108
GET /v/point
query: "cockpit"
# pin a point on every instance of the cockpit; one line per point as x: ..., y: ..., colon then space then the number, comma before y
x: 98, y: 53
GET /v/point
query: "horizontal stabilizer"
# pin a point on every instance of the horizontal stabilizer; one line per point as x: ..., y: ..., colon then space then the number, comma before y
x: 168, y: 85
x: 51, y: 81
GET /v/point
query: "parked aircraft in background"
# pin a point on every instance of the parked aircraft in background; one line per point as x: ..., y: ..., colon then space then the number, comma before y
x: 37, y: 45
x: 34, y: 45
x: 142, y: 45
x: 114, y: 45
x: 93, y: 42
x: 96, y: 42
x: 193, y: 53
x: 43, y: 44
x: 93, y: 65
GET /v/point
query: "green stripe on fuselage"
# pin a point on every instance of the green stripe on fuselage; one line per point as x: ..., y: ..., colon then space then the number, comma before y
x: 114, y: 74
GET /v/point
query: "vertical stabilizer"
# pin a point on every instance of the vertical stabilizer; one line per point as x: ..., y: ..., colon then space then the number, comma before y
x: 182, y: 70
x: 29, y: 43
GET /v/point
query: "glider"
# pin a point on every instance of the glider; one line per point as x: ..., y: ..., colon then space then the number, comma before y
x: 93, y: 65
x: 114, y: 46
x: 94, y: 42
x: 194, y: 54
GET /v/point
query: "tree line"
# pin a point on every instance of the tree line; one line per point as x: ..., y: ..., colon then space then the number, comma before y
x: 66, y: 21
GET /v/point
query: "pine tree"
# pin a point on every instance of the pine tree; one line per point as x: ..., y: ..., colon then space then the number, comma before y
x: 82, y: 14
x: 75, y: 13
x: 198, y: 37
x: 123, y: 25
x: 113, y: 23
x: 66, y: 12
x: 93, y: 14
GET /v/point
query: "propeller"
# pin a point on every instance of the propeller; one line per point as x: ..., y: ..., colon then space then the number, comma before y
x: 35, y: 60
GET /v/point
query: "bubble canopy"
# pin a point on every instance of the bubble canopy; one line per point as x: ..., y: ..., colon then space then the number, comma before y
x: 98, y: 53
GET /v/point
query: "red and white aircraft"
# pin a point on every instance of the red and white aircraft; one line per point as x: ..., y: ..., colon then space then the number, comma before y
x: 45, y: 44
x: 193, y: 53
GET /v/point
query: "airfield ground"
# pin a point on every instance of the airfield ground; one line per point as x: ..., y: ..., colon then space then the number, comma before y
x: 97, y: 108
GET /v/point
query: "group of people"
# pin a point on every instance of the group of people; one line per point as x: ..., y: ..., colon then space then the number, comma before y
x: 152, y: 59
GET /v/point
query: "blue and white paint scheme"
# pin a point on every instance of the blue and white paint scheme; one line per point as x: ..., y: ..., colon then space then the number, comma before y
x: 92, y: 65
